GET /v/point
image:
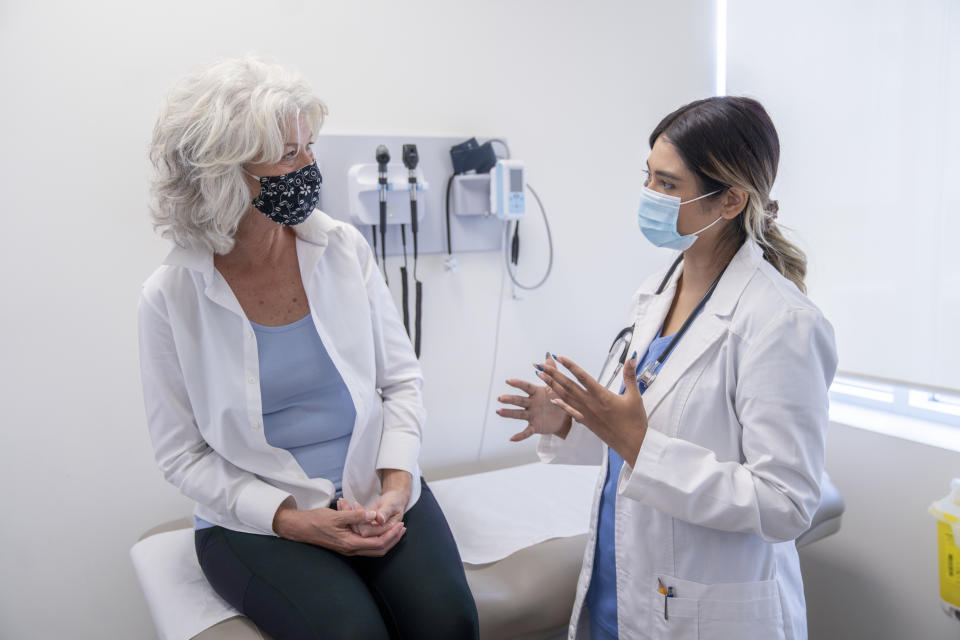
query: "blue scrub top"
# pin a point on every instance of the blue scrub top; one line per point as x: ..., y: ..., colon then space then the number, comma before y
x: 602, y: 596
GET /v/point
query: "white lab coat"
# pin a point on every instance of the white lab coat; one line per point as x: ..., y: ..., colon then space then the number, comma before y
x: 201, y: 381
x: 729, y: 471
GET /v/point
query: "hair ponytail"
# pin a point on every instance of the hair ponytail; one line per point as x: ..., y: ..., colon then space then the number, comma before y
x: 731, y: 142
x: 786, y: 257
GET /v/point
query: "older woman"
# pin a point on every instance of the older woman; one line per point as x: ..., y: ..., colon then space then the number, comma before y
x: 282, y: 393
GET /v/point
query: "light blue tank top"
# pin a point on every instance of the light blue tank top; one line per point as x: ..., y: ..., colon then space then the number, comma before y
x: 307, y: 408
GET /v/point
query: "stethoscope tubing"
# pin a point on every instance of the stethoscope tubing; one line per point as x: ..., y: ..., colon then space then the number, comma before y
x: 649, y: 373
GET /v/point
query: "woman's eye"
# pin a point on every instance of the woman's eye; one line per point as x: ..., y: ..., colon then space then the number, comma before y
x: 666, y: 185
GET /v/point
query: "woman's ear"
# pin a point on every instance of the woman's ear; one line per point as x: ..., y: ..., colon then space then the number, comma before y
x: 733, y: 201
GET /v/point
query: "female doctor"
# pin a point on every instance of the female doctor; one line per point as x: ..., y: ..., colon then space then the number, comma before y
x: 712, y: 439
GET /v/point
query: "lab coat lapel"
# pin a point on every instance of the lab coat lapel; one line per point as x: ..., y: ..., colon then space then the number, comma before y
x: 650, y: 314
x: 707, y: 329
x: 704, y: 331
x: 650, y: 310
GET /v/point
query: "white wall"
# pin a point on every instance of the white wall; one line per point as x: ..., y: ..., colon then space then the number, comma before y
x: 81, y: 85
x: 876, y: 579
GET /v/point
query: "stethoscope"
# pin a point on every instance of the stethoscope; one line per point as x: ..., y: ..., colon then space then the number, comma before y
x: 617, y: 355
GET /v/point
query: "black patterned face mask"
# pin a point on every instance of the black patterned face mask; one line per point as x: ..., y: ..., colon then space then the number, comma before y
x: 289, y: 199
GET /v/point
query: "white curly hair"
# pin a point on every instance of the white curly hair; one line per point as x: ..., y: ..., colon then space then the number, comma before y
x: 214, y: 121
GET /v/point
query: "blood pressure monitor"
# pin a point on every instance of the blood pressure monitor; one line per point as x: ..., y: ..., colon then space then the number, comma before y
x: 507, y: 186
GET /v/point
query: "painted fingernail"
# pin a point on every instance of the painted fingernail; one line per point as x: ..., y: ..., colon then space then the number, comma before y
x: 633, y: 356
x: 538, y: 367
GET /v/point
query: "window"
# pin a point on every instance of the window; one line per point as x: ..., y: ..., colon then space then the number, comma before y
x: 925, y: 404
x: 865, y: 106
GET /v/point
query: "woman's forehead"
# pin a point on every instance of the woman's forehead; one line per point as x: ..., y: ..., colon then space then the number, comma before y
x: 297, y: 130
x: 664, y: 157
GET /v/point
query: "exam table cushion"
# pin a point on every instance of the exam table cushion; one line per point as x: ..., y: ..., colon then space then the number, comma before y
x: 528, y: 592
x: 521, y: 532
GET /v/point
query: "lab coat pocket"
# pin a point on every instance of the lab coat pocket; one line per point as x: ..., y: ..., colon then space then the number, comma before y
x: 675, y: 618
x: 720, y: 611
x: 760, y: 618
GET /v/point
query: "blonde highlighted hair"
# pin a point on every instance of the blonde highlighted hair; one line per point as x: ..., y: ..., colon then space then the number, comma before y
x: 212, y: 122
x: 727, y: 142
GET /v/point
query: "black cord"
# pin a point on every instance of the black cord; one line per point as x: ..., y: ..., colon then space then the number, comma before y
x: 383, y: 158
x: 403, y: 281
x: 413, y: 227
x: 418, y: 286
x: 383, y: 248
x: 506, y: 255
x: 515, y: 244
x: 416, y: 331
x: 449, y: 184
x: 373, y: 232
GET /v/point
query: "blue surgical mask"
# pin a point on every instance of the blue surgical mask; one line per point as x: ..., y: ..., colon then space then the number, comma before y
x: 289, y: 199
x: 657, y: 218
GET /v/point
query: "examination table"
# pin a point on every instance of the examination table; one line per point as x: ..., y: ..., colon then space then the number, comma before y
x: 523, y: 574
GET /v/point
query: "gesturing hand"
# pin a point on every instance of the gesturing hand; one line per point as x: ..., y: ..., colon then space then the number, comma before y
x: 618, y: 420
x: 541, y: 414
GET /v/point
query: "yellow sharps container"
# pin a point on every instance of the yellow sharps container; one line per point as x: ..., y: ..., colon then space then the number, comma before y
x: 947, y: 511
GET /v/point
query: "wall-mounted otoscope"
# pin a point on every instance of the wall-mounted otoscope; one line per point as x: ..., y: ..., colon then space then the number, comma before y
x: 383, y: 158
x: 410, y: 160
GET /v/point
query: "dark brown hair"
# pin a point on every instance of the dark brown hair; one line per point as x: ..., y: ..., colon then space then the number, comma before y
x: 729, y: 141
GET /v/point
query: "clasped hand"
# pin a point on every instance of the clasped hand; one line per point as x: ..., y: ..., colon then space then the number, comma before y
x: 352, y: 530
x: 387, y: 509
x: 618, y: 420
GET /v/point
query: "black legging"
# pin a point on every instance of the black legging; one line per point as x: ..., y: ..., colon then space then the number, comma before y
x: 418, y: 591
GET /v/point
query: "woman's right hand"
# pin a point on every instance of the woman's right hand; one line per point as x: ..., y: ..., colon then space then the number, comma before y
x: 537, y: 408
x: 334, y: 530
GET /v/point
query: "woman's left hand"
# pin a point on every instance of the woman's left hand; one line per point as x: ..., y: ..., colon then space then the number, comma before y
x: 618, y: 420
x: 390, y: 506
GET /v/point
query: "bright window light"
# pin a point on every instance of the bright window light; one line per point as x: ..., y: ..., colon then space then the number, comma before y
x: 863, y: 389
x: 901, y: 399
x: 941, y: 402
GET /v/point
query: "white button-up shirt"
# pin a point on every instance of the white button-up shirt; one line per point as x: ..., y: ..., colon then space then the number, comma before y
x: 201, y: 381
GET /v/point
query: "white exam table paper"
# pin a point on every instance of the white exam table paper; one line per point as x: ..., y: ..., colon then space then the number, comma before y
x: 497, y: 513
x: 180, y: 599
